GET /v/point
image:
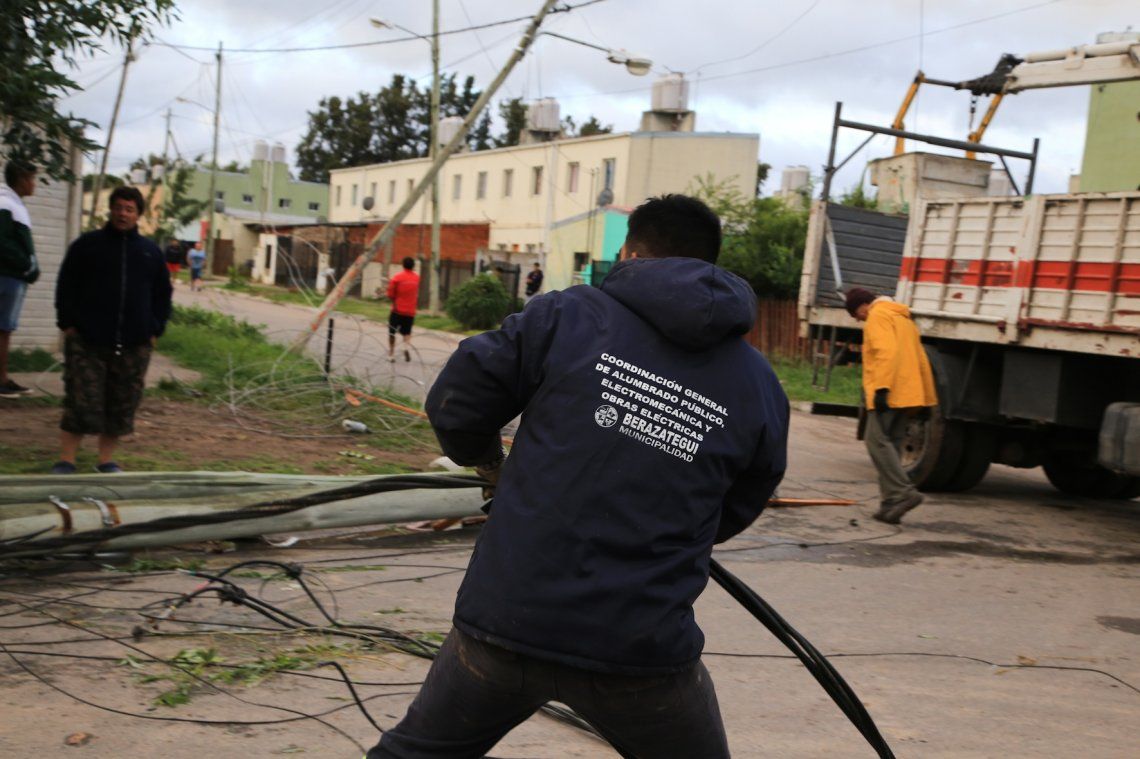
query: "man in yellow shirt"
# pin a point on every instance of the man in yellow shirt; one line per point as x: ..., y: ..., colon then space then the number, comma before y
x: 897, y: 383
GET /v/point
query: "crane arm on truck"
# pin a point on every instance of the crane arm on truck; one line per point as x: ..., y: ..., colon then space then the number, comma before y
x: 1085, y: 64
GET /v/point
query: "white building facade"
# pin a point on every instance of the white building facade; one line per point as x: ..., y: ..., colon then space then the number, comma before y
x: 55, y: 213
x: 525, y: 190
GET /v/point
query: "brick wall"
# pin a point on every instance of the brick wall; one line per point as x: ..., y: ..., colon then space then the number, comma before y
x: 54, y: 209
x: 457, y: 242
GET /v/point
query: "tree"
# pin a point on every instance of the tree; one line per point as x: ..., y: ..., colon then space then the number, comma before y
x: 513, y: 114
x: 763, y: 237
x: 480, y: 137
x: 177, y: 209
x: 857, y: 197
x: 762, y: 172
x: 392, y: 125
x: 39, y: 43
x: 109, y: 182
x: 593, y: 126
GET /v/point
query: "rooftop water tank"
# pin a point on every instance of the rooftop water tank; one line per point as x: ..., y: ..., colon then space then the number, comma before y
x: 138, y: 176
x: 794, y: 178
x: 261, y: 150
x: 671, y: 94
x: 278, y: 153
x: 544, y: 116
x: 448, y: 128
x: 157, y: 172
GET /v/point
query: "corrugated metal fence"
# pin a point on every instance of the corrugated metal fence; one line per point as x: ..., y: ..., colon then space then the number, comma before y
x: 777, y: 330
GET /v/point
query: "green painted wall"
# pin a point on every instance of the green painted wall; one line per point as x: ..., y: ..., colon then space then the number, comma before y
x: 1112, y: 145
x: 617, y: 225
x: 242, y: 191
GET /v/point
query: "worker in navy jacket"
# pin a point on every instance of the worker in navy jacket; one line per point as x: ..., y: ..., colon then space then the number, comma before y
x: 650, y: 431
x: 112, y: 302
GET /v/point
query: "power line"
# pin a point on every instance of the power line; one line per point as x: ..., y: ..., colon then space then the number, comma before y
x: 763, y: 44
x: 374, y: 43
x: 826, y: 56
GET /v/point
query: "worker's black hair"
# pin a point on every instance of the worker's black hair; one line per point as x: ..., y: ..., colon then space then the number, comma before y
x: 14, y: 171
x: 131, y: 194
x: 409, y: 263
x: 674, y: 225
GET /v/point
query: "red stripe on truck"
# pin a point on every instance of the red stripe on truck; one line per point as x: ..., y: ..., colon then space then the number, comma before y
x: 1090, y: 276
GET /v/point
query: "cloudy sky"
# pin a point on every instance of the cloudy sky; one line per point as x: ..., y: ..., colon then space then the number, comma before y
x: 766, y: 66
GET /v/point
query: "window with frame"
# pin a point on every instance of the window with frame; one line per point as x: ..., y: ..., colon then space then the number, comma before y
x: 314, y: 205
x: 338, y: 189
x: 284, y: 202
x: 508, y: 181
x: 354, y: 195
x: 581, y: 260
x: 391, y: 191
x: 220, y: 194
x: 481, y: 185
x: 456, y: 186
x: 572, y: 177
x: 609, y: 169
x: 246, y: 198
x: 373, y: 194
x: 411, y: 186
x: 536, y: 180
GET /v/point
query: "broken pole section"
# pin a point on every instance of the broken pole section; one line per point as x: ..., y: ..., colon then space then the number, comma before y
x: 388, y: 231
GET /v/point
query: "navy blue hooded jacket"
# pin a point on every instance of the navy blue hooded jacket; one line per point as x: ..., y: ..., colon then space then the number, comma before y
x: 650, y: 430
x: 114, y: 288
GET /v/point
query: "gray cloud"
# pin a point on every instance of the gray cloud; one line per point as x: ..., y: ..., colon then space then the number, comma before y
x: 268, y: 95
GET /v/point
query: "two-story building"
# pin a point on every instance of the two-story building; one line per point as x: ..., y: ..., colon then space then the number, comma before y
x: 560, y: 202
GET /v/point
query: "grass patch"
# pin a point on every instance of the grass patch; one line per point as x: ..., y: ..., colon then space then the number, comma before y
x: 795, y: 376
x: 285, y: 392
x: 191, y: 668
x: 34, y: 360
x: 373, y: 310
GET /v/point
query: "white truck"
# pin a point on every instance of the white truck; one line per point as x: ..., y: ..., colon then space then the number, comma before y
x: 1029, y: 305
x: 1030, y: 312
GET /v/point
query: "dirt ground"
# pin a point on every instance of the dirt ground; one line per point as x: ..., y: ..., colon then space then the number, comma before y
x: 187, y: 436
x: 1001, y: 622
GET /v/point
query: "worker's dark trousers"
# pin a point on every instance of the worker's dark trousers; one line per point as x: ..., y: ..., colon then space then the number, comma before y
x: 476, y: 693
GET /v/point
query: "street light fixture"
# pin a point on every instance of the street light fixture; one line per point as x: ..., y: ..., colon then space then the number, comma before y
x: 634, y: 64
x: 213, y: 192
x: 433, y: 144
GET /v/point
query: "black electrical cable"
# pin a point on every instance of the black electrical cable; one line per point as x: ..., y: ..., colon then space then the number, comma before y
x: 815, y: 662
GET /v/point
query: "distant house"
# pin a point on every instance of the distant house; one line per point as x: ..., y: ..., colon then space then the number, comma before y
x: 263, y: 196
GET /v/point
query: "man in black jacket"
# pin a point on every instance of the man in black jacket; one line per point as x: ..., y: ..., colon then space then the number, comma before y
x: 650, y: 431
x: 112, y: 302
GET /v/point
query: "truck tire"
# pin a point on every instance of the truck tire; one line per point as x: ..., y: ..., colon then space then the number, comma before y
x: 977, y: 453
x: 931, y: 451
x: 1085, y: 479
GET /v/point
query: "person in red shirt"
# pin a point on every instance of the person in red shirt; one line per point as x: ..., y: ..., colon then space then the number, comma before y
x: 404, y: 292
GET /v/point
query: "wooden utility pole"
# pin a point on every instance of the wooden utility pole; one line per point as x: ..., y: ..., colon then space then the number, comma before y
x: 388, y: 231
x: 165, y: 170
x: 433, y: 151
x: 210, y: 234
x: 110, y: 135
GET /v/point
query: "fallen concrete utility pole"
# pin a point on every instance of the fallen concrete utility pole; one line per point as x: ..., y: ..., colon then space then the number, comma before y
x: 388, y: 231
x: 60, y: 509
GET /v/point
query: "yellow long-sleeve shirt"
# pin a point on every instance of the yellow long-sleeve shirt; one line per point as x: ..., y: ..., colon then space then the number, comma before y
x: 893, y: 358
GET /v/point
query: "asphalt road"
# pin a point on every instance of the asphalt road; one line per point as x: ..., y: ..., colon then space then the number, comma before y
x: 360, y: 346
x: 998, y: 623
